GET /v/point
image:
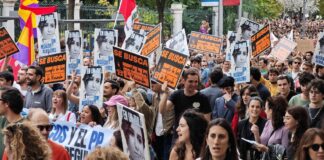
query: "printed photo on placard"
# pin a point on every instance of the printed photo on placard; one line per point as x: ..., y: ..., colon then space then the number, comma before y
x: 91, y: 86
x: 247, y: 28
x: 179, y: 43
x: 134, y: 43
x: 74, y: 45
x: 240, y: 58
x: 230, y: 41
x: 134, y: 133
x: 319, y: 50
x: 48, y: 34
x: 105, y: 39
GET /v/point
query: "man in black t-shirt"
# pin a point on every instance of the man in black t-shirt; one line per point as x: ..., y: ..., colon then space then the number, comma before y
x: 187, y: 98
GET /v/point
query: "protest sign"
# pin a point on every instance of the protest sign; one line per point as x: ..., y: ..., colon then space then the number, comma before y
x: 318, y: 57
x: 92, y: 81
x: 240, y: 60
x: 74, y: 45
x: 48, y: 34
x: 282, y: 50
x: 103, y: 48
x: 134, y: 133
x: 54, y: 67
x: 132, y: 66
x: 7, y: 45
x: 246, y: 29
x: 261, y: 41
x: 205, y: 42
x: 230, y: 41
x: 153, y: 40
x: 178, y: 43
x: 305, y: 45
x: 134, y: 42
x: 142, y: 28
x: 80, y: 141
x: 170, y: 67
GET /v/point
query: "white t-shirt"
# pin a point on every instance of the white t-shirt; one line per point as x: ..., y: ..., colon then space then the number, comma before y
x: 68, y: 117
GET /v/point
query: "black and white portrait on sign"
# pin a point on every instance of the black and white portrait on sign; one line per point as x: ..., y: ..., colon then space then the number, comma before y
x: 135, y: 42
x: 74, y: 44
x: 247, y: 28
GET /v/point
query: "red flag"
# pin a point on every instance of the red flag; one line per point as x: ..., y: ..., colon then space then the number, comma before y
x: 126, y: 8
x: 231, y: 2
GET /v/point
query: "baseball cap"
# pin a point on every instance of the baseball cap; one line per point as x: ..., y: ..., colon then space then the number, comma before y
x: 117, y: 99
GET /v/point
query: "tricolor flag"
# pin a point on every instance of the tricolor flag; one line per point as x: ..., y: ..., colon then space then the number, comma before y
x: 128, y: 9
x: 27, y: 12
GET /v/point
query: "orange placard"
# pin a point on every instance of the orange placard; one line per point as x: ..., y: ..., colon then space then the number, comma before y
x: 7, y: 45
x: 205, y: 42
x: 54, y: 67
x: 129, y: 66
x: 261, y: 41
x: 153, y: 40
x: 137, y: 27
x: 170, y: 67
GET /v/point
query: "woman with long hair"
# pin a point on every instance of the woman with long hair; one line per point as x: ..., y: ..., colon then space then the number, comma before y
x: 60, y: 108
x: 192, y: 126
x: 220, y: 142
x: 241, y: 107
x: 274, y: 131
x: 250, y: 129
x: 23, y: 141
x: 90, y: 115
x: 311, y: 146
x: 297, y: 122
x: 112, y: 120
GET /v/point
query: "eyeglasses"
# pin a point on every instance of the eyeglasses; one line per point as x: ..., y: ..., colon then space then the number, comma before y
x: 48, y: 127
x: 297, y: 62
x: 315, y: 147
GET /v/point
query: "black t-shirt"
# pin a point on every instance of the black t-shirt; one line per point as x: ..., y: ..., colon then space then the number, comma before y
x: 181, y: 102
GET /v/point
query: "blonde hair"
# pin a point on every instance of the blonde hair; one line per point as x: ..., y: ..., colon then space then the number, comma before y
x: 25, y: 142
x: 106, y: 153
x: 62, y: 94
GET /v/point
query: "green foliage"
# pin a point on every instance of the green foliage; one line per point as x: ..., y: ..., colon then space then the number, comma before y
x: 192, y: 18
x: 263, y: 8
x: 321, y: 7
x: 230, y: 15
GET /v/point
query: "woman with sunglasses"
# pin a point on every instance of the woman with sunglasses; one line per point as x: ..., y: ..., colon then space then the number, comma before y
x: 60, y: 108
x: 297, y: 122
x: 311, y: 146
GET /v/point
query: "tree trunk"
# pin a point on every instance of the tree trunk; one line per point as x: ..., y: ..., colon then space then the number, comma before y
x: 160, y: 4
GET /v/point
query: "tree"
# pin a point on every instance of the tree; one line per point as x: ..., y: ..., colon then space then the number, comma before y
x: 321, y: 7
x: 263, y: 8
x: 296, y: 5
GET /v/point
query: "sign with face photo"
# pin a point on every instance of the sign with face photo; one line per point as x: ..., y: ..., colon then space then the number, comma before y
x: 230, y: 41
x: 240, y: 58
x: 246, y: 29
x: 105, y: 39
x: 74, y: 45
x: 91, y: 86
x: 133, y: 133
x: 48, y: 34
x: 178, y: 43
x: 319, y: 50
x: 135, y: 42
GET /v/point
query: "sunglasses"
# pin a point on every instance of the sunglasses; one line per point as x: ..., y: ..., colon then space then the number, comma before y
x: 48, y: 127
x: 315, y: 147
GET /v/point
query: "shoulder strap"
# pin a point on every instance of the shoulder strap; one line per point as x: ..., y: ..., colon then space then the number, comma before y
x: 68, y: 117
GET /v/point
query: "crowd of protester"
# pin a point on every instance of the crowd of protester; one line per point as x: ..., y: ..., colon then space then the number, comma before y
x: 277, y: 115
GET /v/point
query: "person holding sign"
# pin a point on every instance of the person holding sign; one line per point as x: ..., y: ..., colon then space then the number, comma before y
x: 47, y: 25
x: 74, y: 44
x: 106, y: 40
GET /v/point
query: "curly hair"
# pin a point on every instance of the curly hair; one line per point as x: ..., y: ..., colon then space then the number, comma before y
x: 107, y: 153
x: 25, y: 142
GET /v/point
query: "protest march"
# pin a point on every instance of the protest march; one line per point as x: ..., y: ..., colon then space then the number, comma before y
x: 135, y: 91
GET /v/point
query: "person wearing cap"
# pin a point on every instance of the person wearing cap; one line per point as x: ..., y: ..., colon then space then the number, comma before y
x: 111, y: 104
x: 224, y: 106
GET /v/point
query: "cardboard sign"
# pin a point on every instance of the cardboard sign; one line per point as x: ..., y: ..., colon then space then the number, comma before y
x: 129, y: 66
x: 80, y: 141
x: 134, y: 42
x: 240, y: 60
x: 141, y: 27
x: 153, y: 40
x: 7, y: 45
x: 261, y: 41
x: 48, y: 34
x: 178, y: 42
x: 283, y: 49
x: 205, y: 42
x: 246, y: 29
x: 133, y: 133
x: 318, y: 57
x: 74, y: 45
x: 305, y: 45
x: 91, y: 92
x: 231, y: 39
x: 170, y: 67
x: 54, y: 67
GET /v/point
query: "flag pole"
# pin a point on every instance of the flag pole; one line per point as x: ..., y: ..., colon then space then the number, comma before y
x: 121, y: 1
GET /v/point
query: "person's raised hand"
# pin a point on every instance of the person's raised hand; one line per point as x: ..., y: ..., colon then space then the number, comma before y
x: 164, y: 87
